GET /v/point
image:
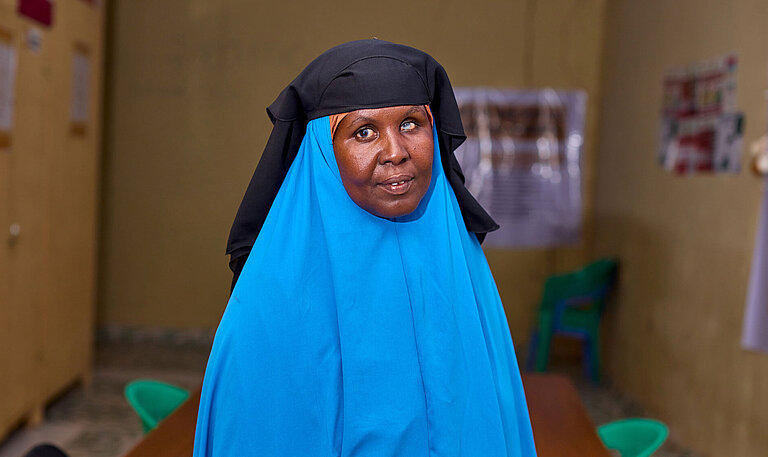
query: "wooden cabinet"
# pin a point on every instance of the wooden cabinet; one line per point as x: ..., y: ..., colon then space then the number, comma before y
x: 49, y: 181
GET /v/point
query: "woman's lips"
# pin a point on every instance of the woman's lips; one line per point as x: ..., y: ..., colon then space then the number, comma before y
x: 397, y: 185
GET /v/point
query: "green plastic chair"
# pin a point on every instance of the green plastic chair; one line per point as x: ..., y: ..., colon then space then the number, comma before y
x: 572, y: 305
x: 153, y: 400
x: 634, y: 437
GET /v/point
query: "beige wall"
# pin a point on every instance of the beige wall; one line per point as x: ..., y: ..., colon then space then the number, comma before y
x: 684, y: 243
x: 186, y: 124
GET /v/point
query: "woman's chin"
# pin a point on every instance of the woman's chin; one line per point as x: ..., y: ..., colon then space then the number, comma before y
x: 395, y: 209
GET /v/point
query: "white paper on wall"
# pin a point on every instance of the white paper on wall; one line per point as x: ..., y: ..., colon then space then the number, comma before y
x: 81, y: 85
x: 522, y: 162
x: 755, y: 328
x: 7, y: 89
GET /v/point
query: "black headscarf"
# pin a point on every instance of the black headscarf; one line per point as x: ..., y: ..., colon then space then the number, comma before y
x: 355, y: 75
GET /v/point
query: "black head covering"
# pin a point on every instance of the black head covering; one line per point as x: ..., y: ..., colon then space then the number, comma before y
x: 355, y: 75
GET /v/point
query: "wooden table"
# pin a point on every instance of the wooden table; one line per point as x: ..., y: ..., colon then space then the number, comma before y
x: 561, y: 427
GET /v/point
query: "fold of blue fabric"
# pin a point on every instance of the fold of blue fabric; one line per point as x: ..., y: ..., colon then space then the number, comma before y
x: 352, y: 335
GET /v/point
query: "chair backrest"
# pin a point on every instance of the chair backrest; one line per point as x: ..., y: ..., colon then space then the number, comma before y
x: 153, y: 400
x: 636, y: 437
x: 592, y: 281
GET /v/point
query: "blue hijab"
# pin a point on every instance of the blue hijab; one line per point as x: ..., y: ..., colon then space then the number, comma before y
x: 352, y: 335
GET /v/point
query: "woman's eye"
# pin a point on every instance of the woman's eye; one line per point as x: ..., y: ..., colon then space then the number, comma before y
x: 408, y: 125
x: 364, y: 134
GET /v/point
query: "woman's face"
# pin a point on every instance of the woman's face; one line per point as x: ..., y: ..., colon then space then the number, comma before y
x: 385, y: 158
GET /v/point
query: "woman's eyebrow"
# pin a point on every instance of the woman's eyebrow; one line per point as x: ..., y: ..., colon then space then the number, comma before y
x: 360, y: 119
x: 416, y: 109
x: 366, y: 119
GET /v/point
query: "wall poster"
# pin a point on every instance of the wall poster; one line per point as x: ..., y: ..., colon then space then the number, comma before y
x: 521, y: 161
x: 755, y: 327
x: 701, y: 130
x: 7, y: 87
x: 81, y: 88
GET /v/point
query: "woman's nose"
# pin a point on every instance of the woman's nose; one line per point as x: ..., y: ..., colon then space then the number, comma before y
x: 394, y: 150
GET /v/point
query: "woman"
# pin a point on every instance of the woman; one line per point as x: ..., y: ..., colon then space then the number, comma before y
x: 365, y: 321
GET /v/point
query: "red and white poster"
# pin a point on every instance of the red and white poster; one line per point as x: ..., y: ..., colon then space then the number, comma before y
x: 701, y: 129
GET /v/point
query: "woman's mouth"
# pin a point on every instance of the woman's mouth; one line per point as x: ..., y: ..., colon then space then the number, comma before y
x: 397, y: 185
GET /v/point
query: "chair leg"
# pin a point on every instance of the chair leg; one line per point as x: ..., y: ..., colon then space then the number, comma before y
x: 586, y: 357
x: 594, y: 355
x: 543, y: 344
x: 531, y: 356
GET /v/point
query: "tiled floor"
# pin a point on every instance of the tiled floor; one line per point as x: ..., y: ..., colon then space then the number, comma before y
x: 97, y: 422
x: 606, y: 405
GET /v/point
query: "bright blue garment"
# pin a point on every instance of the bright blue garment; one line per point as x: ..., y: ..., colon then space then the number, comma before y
x: 352, y: 335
